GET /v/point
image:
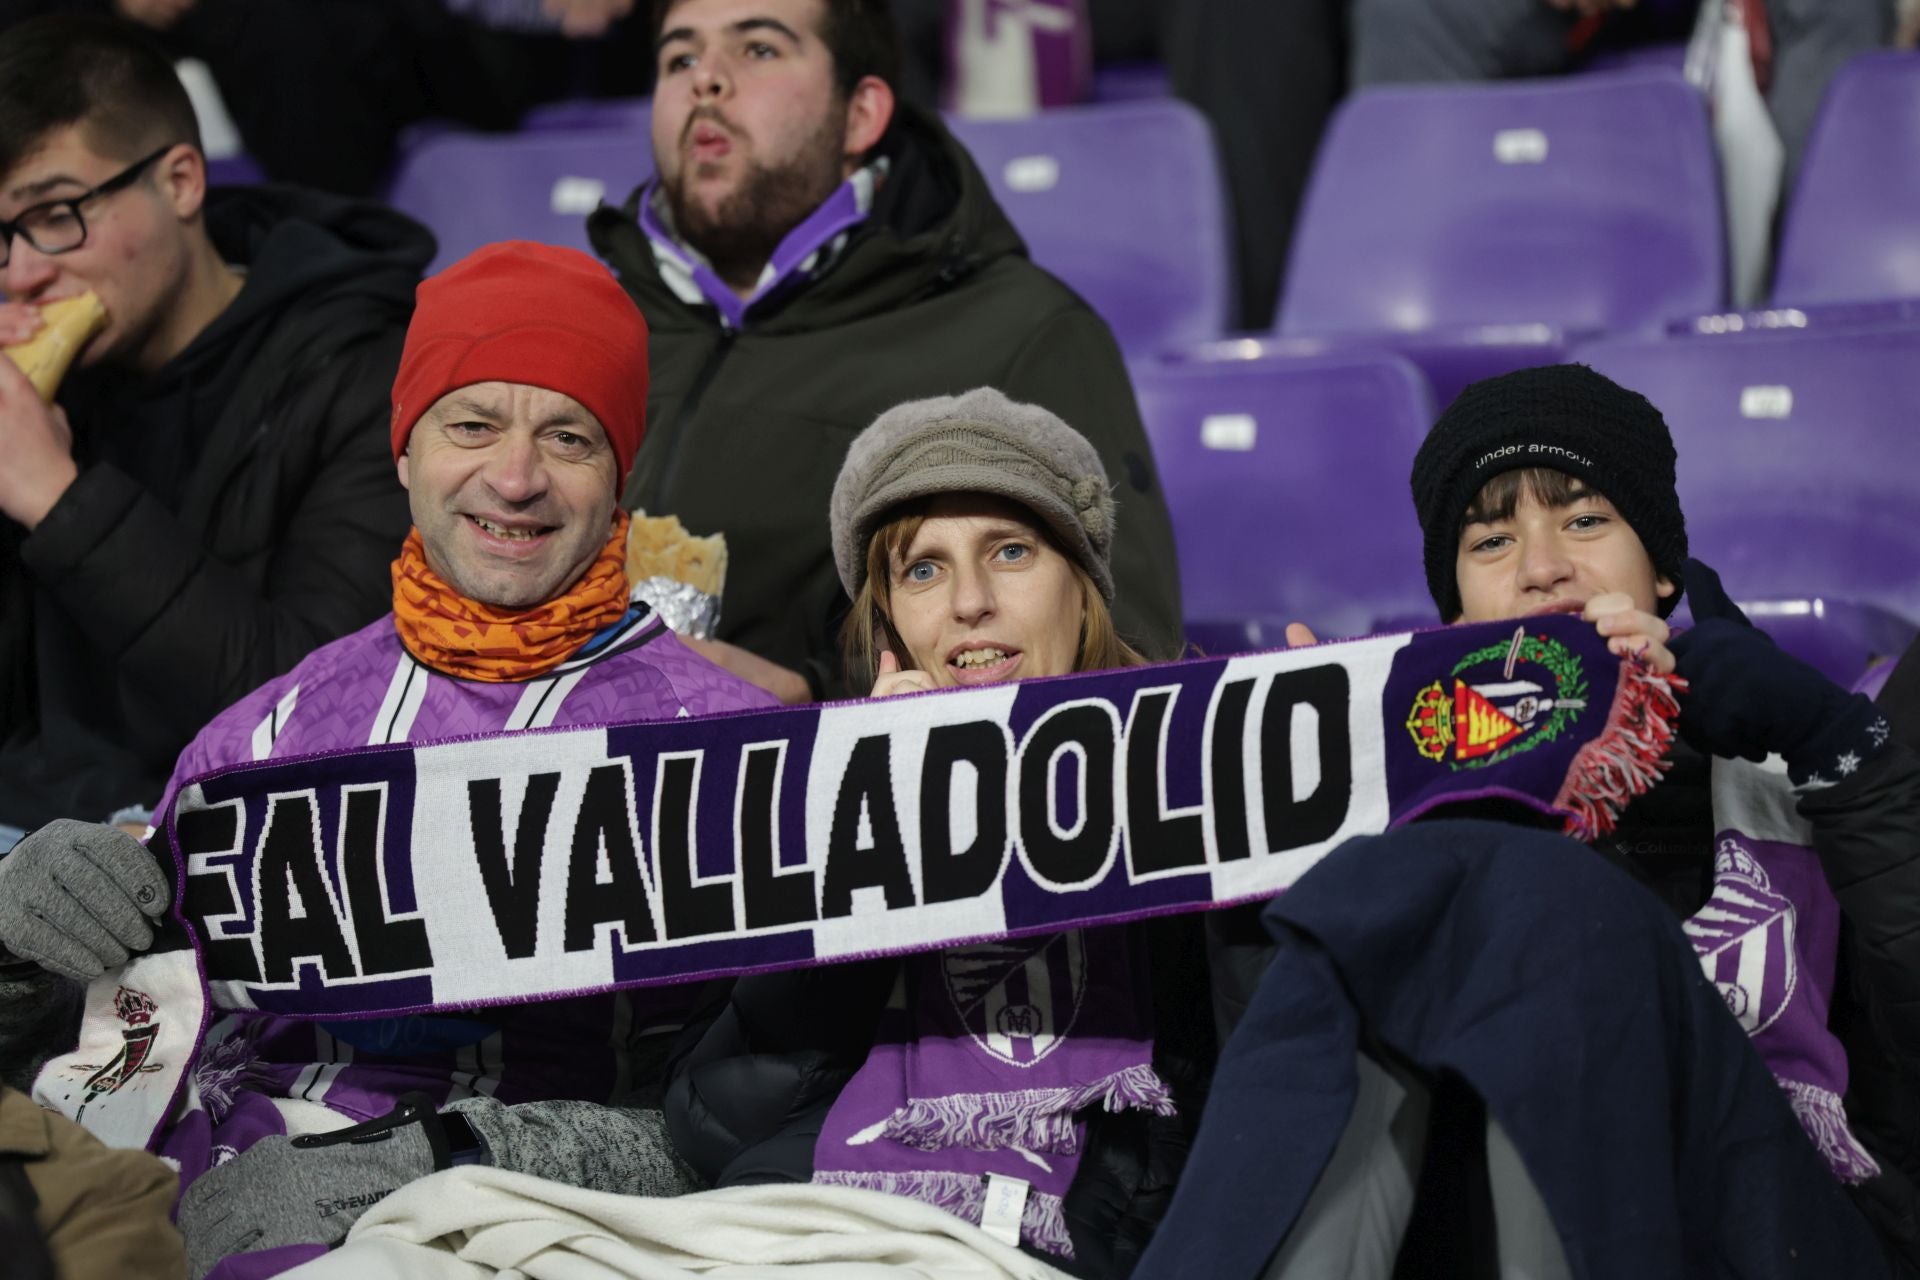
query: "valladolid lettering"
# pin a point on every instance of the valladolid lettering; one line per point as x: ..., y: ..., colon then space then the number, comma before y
x: 516, y: 867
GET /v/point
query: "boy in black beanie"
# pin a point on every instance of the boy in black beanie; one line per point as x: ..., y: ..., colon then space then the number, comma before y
x: 1489, y: 1094
x: 1552, y: 490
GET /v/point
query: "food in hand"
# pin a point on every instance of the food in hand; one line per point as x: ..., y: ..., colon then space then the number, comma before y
x: 65, y: 327
x: 661, y: 547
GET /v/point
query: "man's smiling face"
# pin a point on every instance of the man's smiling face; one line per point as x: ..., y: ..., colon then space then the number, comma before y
x: 513, y: 490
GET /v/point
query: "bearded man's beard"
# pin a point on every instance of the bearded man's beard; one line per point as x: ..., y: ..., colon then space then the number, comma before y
x: 740, y: 233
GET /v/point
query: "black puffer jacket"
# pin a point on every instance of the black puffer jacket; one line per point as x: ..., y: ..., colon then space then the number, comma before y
x: 234, y: 511
x: 761, y: 1065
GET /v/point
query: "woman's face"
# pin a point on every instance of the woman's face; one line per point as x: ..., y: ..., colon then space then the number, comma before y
x: 979, y: 595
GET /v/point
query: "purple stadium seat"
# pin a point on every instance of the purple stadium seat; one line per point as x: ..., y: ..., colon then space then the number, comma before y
x: 1507, y: 220
x: 1666, y: 55
x: 1823, y: 317
x: 1449, y: 360
x: 1839, y: 638
x: 473, y: 189
x: 632, y: 115
x: 1287, y: 482
x: 1876, y: 678
x: 1123, y: 202
x: 1852, y: 232
x: 1798, y: 473
x: 235, y: 171
x: 1130, y: 82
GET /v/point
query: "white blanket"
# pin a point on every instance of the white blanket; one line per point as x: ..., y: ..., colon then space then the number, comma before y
x: 469, y: 1223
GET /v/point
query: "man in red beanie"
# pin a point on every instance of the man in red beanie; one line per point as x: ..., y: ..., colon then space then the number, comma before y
x: 516, y: 412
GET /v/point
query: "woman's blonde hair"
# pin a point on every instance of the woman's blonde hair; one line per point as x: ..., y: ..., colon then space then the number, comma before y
x: 868, y: 629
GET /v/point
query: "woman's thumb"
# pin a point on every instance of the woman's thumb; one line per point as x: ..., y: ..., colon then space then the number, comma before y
x: 888, y: 663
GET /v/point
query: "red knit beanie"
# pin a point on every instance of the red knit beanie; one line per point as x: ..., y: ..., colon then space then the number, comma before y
x: 529, y: 313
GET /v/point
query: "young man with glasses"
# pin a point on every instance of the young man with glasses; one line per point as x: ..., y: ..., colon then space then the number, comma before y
x: 211, y: 498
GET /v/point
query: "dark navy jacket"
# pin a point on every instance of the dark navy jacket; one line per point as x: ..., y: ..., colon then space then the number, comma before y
x: 1566, y: 997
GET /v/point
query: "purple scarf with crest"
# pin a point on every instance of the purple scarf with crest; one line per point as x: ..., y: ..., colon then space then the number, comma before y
x: 989, y: 1056
x: 1769, y: 939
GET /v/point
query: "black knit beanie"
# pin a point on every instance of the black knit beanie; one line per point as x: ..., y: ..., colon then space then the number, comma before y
x: 1562, y: 417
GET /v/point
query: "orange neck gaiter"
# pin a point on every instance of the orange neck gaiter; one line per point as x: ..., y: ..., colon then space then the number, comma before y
x: 474, y: 641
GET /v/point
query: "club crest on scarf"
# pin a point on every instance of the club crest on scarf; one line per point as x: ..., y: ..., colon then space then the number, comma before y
x: 1018, y: 999
x: 1505, y: 699
x: 136, y: 1009
x: 1745, y: 938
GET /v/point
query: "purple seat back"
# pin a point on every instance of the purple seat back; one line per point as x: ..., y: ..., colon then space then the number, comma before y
x: 1666, y: 55
x: 1876, y: 678
x: 1852, y: 232
x: 1587, y: 203
x: 630, y: 115
x: 1287, y: 482
x: 1124, y: 202
x: 1819, y: 316
x: 1450, y: 358
x: 235, y: 171
x: 1798, y: 467
x: 1839, y: 638
x: 474, y: 189
x: 1130, y: 82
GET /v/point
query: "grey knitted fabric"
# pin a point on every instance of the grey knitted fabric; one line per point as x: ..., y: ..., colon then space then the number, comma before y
x: 623, y: 1150
x: 980, y: 442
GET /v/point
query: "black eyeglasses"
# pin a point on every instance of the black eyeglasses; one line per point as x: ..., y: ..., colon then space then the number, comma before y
x: 57, y: 226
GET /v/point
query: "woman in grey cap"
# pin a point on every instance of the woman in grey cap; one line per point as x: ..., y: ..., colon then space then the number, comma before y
x: 974, y: 536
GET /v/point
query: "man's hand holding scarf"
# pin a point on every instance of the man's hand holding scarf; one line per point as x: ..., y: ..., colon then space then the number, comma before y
x: 79, y: 899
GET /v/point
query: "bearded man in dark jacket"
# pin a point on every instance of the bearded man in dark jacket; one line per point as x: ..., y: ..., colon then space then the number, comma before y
x: 811, y: 254
x: 212, y: 498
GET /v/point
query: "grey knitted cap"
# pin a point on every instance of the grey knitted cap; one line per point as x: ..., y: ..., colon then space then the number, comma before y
x: 980, y: 442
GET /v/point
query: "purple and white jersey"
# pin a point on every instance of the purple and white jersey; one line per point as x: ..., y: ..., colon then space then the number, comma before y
x: 366, y: 689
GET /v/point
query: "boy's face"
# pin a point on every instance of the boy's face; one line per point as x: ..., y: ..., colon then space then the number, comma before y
x: 136, y: 248
x: 1552, y: 559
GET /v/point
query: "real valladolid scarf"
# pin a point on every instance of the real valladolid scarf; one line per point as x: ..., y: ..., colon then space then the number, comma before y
x: 567, y: 862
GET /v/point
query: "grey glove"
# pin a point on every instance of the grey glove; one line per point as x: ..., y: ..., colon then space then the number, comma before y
x: 78, y: 898
x: 308, y: 1190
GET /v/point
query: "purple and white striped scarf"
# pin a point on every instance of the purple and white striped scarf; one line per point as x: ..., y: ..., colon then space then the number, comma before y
x: 987, y: 1060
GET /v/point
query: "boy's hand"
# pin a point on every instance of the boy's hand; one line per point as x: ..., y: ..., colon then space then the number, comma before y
x: 36, y: 450
x: 1748, y: 698
x: 1629, y: 631
x: 1300, y: 636
x: 18, y: 323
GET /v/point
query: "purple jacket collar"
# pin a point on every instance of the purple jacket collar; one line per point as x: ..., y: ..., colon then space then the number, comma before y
x: 809, y: 249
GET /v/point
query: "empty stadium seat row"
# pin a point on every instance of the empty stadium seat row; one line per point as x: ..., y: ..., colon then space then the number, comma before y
x: 1287, y: 481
